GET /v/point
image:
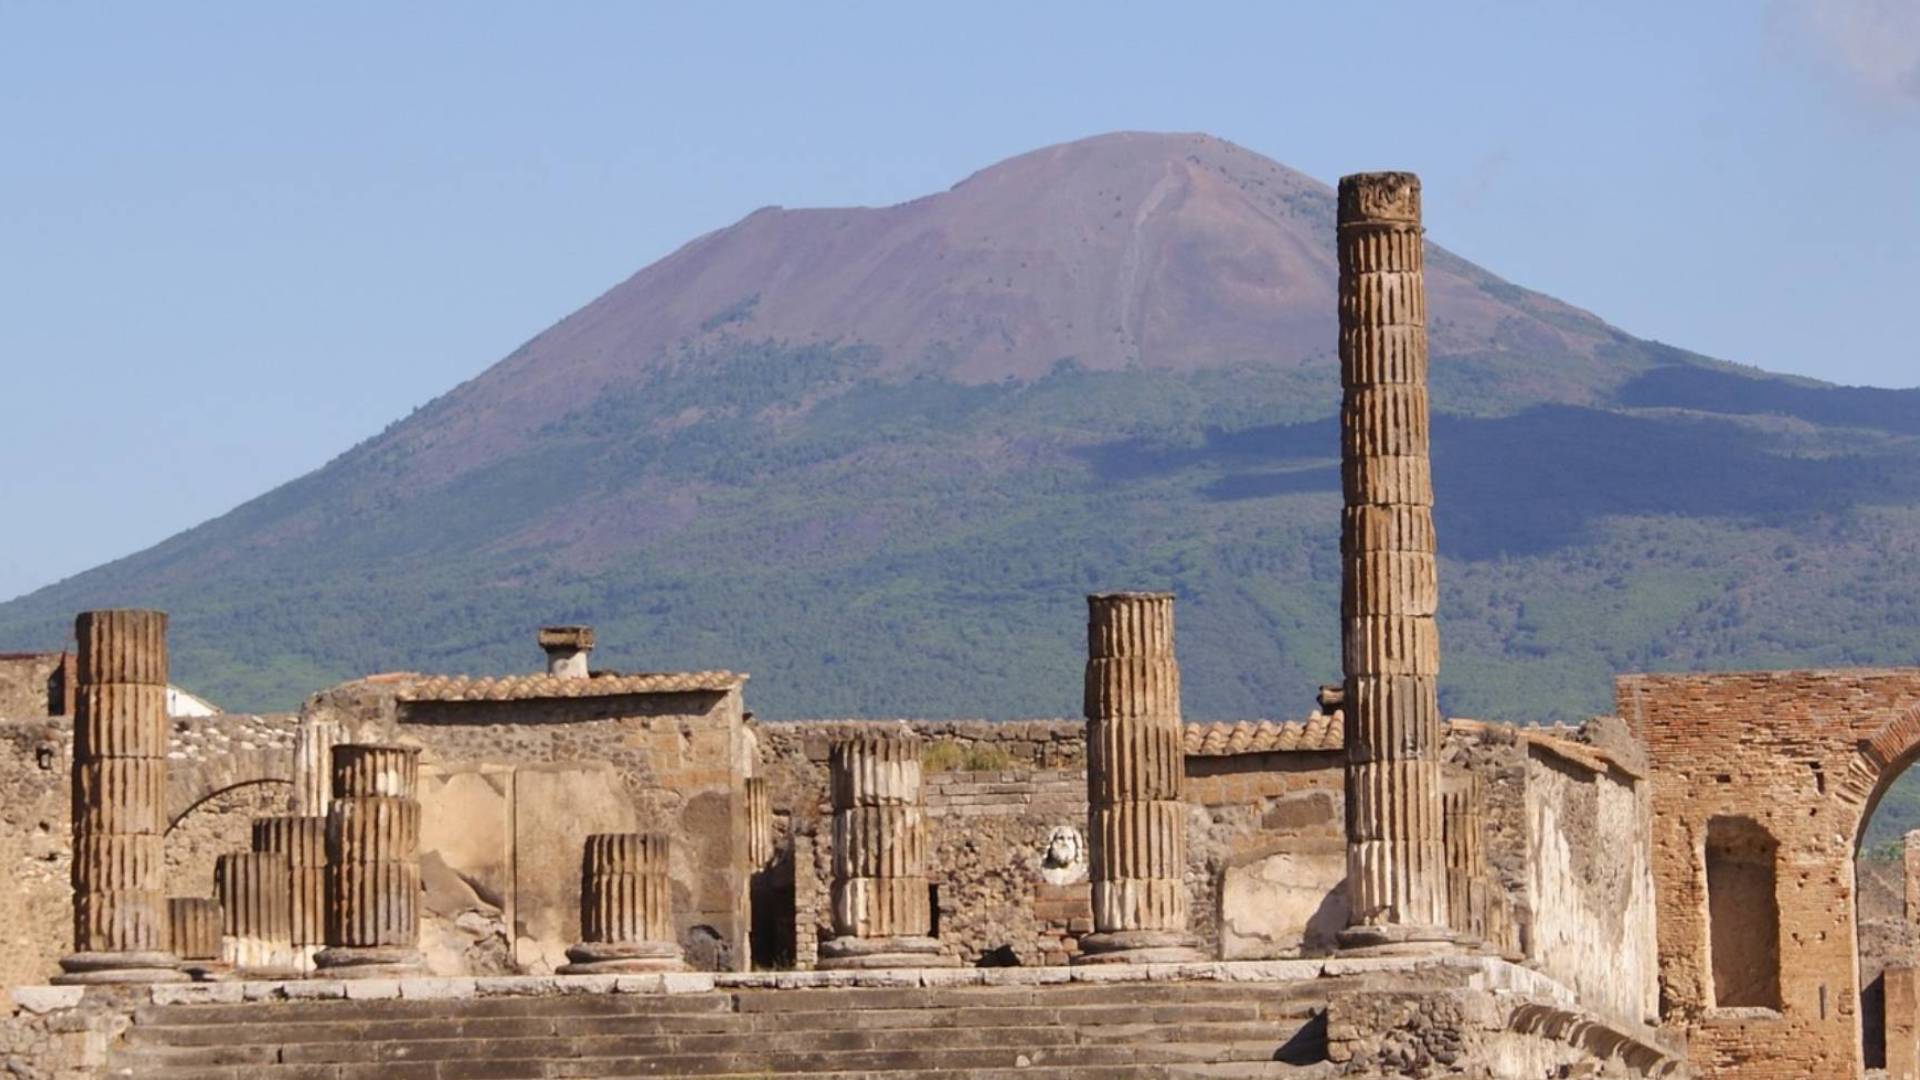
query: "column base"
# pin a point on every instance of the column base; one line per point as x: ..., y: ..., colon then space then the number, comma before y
x: 106, y: 968
x: 1139, y: 947
x: 623, y: 958
x: 844, y: 953
x: 1399, y: 940
x: 369, y: 962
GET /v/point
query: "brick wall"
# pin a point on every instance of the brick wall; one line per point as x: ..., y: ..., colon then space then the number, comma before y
x: 1803, y: 756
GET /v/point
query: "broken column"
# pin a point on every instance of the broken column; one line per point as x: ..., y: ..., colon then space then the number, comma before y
x: 303, y: 840
x: 1396, y: 862
x: 373, y: 864
x: 313, y: 747
x: 567, y: 649
x: 626, y: 913
x: 1136, y: 772
x: 880, y: 900
x: 197, y: 924
x: 256, y: 902
x: 120, y: 736
x: 1902, y: 1028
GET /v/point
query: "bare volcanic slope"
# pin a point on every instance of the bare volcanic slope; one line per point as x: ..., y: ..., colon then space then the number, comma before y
x: 875, y: 456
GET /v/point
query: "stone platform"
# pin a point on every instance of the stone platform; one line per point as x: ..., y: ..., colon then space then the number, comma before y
x: 1294, y: 1018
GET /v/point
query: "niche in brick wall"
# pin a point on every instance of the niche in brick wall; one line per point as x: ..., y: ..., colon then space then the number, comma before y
x: 1743, y: 914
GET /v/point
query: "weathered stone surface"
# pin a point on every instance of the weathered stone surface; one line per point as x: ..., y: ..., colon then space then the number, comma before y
x: 759, y: 822
x: 875, y: 768
x: 1136, y: 819
x: 196, y: 925
x: 556, y: 809
x: 879, y: 898
x: 119, y: 799
x: 1902, y: 998
x: 1290, y: 903
x: 361, y: 771
x: 373, y: 863
x: 254, y: 890
x: 1390, y: 646
x: 313, y: 764
x: 626, y: 906
x: 120, y: 720
x: 303, y: 840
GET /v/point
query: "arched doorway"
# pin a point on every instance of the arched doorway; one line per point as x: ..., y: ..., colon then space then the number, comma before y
x: 1887, y: 897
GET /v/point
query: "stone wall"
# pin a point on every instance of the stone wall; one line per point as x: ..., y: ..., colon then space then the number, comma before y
x: 1789, y: 764
x: 35, y: 685
x: 223, y: 770
x: 36, y: 913
x: 510, y: 789
x: 1266, y: 848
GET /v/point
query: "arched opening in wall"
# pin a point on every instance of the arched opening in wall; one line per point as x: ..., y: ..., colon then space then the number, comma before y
x: 1743, y: 914
x: 218, y: 823
x: 1886, y: 876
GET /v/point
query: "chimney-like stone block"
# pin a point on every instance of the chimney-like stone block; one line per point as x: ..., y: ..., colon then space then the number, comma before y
x: 567, y: 649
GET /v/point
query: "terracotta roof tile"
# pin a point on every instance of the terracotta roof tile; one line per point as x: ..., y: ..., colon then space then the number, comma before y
x: 537, y: 686
x: 1318, y: 732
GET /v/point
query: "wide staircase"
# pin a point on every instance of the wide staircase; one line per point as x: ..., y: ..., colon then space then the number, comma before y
x: 1094, y: 1031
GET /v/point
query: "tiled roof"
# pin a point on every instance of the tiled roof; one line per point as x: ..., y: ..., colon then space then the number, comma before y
x: 1316, y: 732
x: 532, y: 687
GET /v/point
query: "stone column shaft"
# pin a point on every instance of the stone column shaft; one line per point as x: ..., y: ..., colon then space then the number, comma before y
x: 1396, y: 855
x: 197, y: 923
x: 759, y: 823
x: 313, y: 765
x: 626, y: 906
x: 1467, y: 883
x: 879, y: 896
x: 373, y: 863
x: 121, y: 919
x: 303, y: 840
x: 256, y: 900
x: 1136, y: 777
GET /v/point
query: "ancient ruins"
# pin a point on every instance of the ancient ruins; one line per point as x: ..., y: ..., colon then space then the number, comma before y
x: 580, y: 872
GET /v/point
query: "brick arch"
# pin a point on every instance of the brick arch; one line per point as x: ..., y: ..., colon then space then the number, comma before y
x: 1876, y: 764
x: 191, y: 783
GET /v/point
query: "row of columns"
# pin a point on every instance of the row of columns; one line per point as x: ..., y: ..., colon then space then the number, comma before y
x: 1413, y: 853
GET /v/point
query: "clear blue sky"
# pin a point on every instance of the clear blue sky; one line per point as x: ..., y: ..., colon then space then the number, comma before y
x: 237, y: 239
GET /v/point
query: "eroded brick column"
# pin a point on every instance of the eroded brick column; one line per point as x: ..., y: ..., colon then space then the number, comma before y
x: 256, y: 902
x: 1396, y: 861
x: 120, y: 912
x: 1136, y: 771
x: 197, y: 924
x: 373, y: 863
x: 303, y: 840
x: 881, y: 914
x: 626, y: 906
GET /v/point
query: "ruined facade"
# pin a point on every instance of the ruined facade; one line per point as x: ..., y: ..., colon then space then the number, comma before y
x: 1372, y: 888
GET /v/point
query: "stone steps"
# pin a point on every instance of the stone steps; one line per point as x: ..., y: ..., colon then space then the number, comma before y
x: 1123, y: 1031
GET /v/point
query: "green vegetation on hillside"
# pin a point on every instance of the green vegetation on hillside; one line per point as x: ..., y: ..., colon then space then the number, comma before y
x: 917, y: 547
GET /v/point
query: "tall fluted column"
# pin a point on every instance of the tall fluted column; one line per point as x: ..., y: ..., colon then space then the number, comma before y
x: 120, y: 735
x: 881, y: 915
x: 626, y: 907
x: 373, y: 863
x: 197, y: 924
x: 1136, y: 773
x: 256, y: 900
x: 303, y: 840
x: 1396, y: 862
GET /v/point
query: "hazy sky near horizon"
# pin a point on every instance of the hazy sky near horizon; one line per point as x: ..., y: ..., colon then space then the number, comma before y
x: 236, y: 239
